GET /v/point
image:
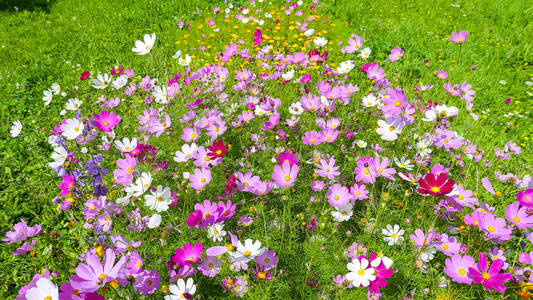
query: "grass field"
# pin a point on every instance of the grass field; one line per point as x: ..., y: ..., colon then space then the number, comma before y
x: 55, y: 42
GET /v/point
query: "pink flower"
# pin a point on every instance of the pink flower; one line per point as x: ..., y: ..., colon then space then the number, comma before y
x: 395, y: 54
x: 519, y: 216
x: 394, y: 104
x: 124, y: 175
x: 459, y: 38
x: 441, y: 74
x: 285, y: 175
x: 491, y: 278
x: 147, y: 282
x: 200, y: 178
x: 105, y: 121
x: 338, y: 195
x: 359, y: 192
x: 365, y: 170
x: 92, y: 276
x: 327, y: 169
x: 67, y: 184
x: 457, y: 268
x: 21, y: 232
x: 312, y: 138
x: 287, y: 156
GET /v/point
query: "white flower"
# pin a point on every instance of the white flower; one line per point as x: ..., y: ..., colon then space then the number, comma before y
x: 248, y: 251
x: 503, y: 82
x: 44, y: 289
x: 121, y: 81
x: 447, y: 111
x: 345, y: 67
x: 186, y: 152
x: 341, y: 214
x: 427, y: 253
x: 178, y: 291
x: 177, y: 54
x: 56, y: 89
x: 185, y: 61
x: 289, y: 75
x: 47, y: 98
x: 403, y: 163
x: 393, y: 235
x: 160, y: 94
x: 16, y: 128
x: 141, y: 185
x: 365, y: 53
x: 381, y: 258
x: 360, y: 274
x: 216, y: 232
x: 361, y: 144
x: 309, y: 32
x: 370, y: 100
x: 430, y: 116
x: 73, y: 104
x: 72, y: 128
x: 320, y: 42
x: 142, y: 48
x: 126, y: 145
x: 101, y: 81
x: 155, y: 221
x: 387, y: 131
x: 423, y: 147
x: 296, y: 108
x: 158, y: 200
x: 59, y: 156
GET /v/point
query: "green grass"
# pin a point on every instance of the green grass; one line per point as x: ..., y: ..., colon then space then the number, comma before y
x: 39, y: 47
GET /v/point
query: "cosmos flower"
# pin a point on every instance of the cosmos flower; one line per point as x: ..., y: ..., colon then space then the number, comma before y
x: 395, y: 54
x: 435, y: 185
x: 285, y: 175
x: 458, y: 38
x: 491, y: 278
x: 144, y: 47
x: 106, y: 120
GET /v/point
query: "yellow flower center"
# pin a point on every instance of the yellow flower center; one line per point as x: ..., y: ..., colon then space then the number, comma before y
x: 287, y: 178
x: 159, y: 199
x: 247, y: 253
x: 461, y: 272
x: 398, y: 103
x: 361, y: 272
x: 491, y: 229
x: 435, y: 189
x: 203, y: 180
x: 101, y: 277
x: 486, y: 275
x: 394, y: 235
x: 516, y: 219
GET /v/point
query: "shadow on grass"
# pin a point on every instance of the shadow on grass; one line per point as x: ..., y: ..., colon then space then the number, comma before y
x: 29, y: 5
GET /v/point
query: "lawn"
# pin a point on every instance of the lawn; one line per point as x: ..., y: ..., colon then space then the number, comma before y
x: 47, y: 42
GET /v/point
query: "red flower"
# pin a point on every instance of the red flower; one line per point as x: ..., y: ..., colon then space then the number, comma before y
x: 218, y: 149
x: 84, y: 75
x: 436, y: 186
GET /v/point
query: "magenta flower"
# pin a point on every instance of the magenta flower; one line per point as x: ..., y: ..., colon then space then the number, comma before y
x: 491, y: 278
x: 124, y: 175
x: 105, y: 121
x: 21, y: 232
x: 459, y: 38
x: 525, y: 198
x: 338, y: 195
x: 435, y: 185
x: 519, y: 216
x: 188, y: 255
x: 285, y: 175
x: 288, y: 156
x: 67, y: 184
x: 200, y: 178
x: 457, y: 268
x: 395, y: 54
x: 92, y: 276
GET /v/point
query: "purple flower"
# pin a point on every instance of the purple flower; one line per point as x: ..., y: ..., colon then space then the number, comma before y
x: 26, y: 247
x: 92, y: 276
x: 147, y: 282
x: 21, y: 232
